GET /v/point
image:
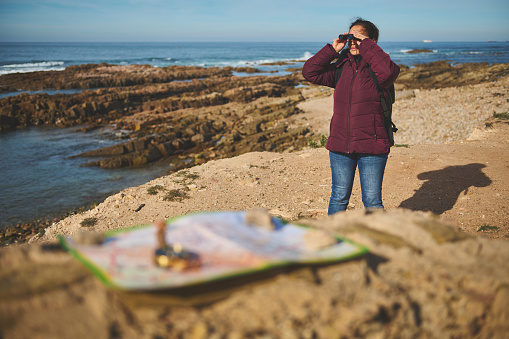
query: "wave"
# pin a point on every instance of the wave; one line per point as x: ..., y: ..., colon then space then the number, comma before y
x: 254, y: 63
x: 306, y: 56
x: 264, y: 64
x: 164, y: 60
x: 32, y: 67
x: 408, y: 52
x: 136, y: 61
x: 302, y: 58
x: 36, y: 64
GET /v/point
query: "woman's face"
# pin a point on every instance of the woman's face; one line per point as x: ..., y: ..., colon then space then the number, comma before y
x: 357, y: 31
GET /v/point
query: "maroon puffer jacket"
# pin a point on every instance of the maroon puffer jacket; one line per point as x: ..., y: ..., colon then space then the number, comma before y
x: 357, y: 125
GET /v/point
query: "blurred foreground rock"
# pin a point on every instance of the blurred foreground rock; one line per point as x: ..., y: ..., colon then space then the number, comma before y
x: 422, y: 279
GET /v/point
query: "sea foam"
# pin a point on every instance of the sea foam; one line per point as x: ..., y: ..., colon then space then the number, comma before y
x: 32, y: 67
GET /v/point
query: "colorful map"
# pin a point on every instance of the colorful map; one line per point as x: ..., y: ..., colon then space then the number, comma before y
x: 226, y: 245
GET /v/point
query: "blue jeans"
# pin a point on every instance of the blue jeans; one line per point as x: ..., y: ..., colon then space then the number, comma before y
x: 371, y: 174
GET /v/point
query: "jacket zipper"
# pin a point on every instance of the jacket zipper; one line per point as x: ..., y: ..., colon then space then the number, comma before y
x: 350, y: 110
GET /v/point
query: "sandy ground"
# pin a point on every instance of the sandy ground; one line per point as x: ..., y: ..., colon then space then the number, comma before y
x: 464, y: 180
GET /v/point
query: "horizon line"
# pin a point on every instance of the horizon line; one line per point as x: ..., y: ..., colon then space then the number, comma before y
x: 248, y: 42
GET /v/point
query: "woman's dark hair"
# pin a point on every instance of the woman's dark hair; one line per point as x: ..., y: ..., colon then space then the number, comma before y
x: 370, y: 28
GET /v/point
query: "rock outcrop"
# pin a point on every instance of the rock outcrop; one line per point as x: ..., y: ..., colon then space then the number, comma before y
x: 421, y: 279
x: 441, y: 74
x: 188, y: 115
x: 110, y: 92
x: 93, y: 76
x: 416, y: 51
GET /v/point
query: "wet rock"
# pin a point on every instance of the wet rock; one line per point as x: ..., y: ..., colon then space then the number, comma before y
x: 106, y: 151
x: 416, y: 51
x: 198, y: 138
x: 130, y: 159
x: 111, y: 163
x: 7, y: 123
x: 246, y: 94
x: 146, y: 157
x: 181, y: 144
x: 166, y: 149
x: 137, y: 145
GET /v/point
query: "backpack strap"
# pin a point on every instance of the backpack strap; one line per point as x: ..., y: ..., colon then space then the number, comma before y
x: 386, y: 108
x: 337, y: 75
x: 339, y: 69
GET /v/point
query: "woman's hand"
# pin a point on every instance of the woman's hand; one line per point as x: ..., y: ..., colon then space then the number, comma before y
x: 338, y: 45
x: 360, y: 36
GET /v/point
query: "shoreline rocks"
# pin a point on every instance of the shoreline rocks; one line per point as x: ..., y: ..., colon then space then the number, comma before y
x: 441, y: 74
x: 115, y: 92
x: 215, y: 113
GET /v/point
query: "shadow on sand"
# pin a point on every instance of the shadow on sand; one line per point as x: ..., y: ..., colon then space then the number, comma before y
x: 442, y: 187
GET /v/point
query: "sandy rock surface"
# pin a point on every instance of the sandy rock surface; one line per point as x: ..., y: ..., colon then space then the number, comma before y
x: 465, y: 179
x: 426, y: 276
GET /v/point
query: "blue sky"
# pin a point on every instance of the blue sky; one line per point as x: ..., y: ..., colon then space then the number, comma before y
x: 254, y: 20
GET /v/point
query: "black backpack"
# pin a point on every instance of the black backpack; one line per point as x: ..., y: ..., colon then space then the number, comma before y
x: 387, y: 107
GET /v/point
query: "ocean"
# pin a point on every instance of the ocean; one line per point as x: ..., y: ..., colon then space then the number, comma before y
x: 30, y: 57
x: 38, y: 177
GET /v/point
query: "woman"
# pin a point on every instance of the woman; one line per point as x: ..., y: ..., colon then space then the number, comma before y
x: 357, y: 132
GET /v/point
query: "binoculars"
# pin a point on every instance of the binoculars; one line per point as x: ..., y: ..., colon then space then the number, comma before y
x: 347, y: 37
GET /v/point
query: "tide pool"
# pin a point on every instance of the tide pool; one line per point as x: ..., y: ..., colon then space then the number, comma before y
x: 39, y: 178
